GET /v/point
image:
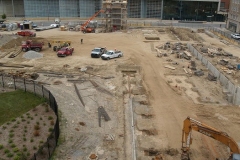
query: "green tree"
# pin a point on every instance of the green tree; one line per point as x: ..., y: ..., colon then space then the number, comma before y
x: 4, y: 16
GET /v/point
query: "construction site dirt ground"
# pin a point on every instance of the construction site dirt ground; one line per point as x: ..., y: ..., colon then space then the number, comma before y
x: 145, y: 100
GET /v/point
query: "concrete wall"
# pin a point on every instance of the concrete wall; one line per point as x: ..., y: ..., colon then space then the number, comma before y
x: 12, y: 8
x: 228, y: 87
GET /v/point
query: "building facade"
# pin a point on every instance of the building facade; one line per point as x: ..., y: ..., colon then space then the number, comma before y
x: 197, y: 10
x: 233, y: 22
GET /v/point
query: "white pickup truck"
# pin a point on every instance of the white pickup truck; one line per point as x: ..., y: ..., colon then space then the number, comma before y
x: 112, y: 54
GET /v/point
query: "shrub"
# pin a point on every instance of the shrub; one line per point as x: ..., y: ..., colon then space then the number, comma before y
x: 4, y: 16
x: 36, y: 127
x: 4, y: 127
x: 50, y: 129
x: 31, y: 118
x: 34, y: 147
x: 15, y: 126
x: 15, y: 149
x: 18, y: 122
x: 12, y: 145
x: 36, y: 114
x: 28, y: 154
x: 28, y: 122
x: 44, y: 124
x: 24, y: 149
x: 24, y: 138
x: 13, y: 120
x: 52, y: 122
x: 37, y: 123
x: 6, y: 151
x: 36, y: 133
x: 28, y: 114
x: 25, y: 130
x: 25, y: 127
x: 23, y: 120
x: 40, y: 118
x: 11, y: 135
x: 9, y: 155
x: 50, y: 118
x: 31, y: 140
x: 10, y: 141
x: 1, y: 146
x: 46, y: 109
x: 40, y: 142
x: 11, y: 131
x: 22, y: 116
x: 8, y: 123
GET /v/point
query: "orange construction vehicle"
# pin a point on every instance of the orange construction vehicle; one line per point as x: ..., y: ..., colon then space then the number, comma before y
x: 190, y: 124
x: 87, y: 29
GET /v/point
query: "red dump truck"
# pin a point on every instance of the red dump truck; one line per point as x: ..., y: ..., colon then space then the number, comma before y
x: 30, y: 45
x: 26, y: 33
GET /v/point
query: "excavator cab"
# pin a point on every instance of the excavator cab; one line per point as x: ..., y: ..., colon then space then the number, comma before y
x: 235, y: 156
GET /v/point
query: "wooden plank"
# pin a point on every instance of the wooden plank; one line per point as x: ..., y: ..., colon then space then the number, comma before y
x: 170, y: 67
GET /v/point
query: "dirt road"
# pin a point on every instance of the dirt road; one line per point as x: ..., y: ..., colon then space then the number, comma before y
x: 169, y: 108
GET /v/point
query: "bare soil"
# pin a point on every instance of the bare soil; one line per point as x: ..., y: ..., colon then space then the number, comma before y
x: 146, y: 101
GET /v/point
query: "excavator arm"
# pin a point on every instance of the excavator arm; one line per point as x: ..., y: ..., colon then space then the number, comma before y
x: 87, y: 22
x: 190, y: 124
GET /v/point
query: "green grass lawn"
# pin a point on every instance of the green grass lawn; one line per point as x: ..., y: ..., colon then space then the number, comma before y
x: 14, y: 104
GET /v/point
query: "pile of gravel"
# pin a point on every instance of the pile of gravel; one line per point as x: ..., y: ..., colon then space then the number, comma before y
x: 32, y: 55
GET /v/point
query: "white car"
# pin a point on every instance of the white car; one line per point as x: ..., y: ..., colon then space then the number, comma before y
x: 54, y: 25
x: 235, y: 36
x: 111, y: 54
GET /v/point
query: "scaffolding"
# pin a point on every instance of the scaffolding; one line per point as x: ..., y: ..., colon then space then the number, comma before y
x: 115, y: 15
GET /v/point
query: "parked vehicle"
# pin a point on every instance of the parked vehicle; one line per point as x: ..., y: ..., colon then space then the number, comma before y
x: 34, y: 25
x: 97, y: 52
x: 54, y: 25
x: 30, y: 45
x: 65, y: 51
x: 112, y: 54
x: 57, y: 45
x: 26, y: 33
x: 235, y: 36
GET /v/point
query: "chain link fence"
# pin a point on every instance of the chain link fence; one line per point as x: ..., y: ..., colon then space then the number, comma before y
x: 47, y: 149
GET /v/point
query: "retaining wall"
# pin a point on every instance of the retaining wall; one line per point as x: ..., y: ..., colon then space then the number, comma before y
x: 231, y: 89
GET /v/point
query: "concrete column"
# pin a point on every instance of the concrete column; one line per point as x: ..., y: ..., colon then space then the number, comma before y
x: 143, y: 9
x: 162, y: 9
x: 13, y: 9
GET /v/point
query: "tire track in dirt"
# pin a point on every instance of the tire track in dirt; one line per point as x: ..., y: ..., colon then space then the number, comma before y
x: 170, y: 108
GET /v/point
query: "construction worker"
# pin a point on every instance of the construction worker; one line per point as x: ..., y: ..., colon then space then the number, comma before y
x: 49, y: 45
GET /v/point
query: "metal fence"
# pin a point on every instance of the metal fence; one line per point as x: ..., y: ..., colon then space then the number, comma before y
x: 47, y: 149
x: 233, y: 90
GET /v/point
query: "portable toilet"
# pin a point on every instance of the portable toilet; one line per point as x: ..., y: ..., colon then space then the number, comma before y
x: 21, y: 26
x: 238, y: 67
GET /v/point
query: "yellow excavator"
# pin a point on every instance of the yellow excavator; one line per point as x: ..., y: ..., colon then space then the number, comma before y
x: 190, y: 124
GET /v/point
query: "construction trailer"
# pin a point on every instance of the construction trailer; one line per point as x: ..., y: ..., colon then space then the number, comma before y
x: 115, y: 15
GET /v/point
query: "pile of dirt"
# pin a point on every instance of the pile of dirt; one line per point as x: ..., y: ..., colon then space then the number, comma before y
x: 185, y: 34
x: 5, y: 38
x: 14, y: 41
